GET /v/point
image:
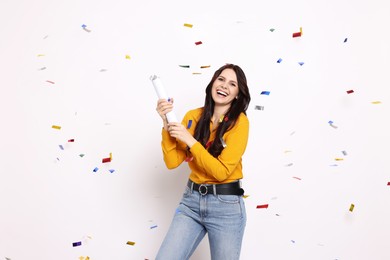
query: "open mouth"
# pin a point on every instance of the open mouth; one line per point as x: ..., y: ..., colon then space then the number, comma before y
x: 221, y: 93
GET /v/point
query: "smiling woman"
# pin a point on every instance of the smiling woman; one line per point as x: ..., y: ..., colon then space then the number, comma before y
x: 213, y: 145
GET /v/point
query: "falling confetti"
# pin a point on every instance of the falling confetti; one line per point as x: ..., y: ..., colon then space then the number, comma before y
x: 272, y: 30
x: 344, y: 152
x: 290, y: 164
x: 70, y: 140
x: 49, y: 81
x: 111, y: 170
x: 106, y: 160
x: 185, y: 66
x: 81, y: 155
x: 279, y: 60
x: 350, y: 91
x: 301, y: 63
x: 351, y: 207
x: 205, y: 67
x: 259, y: 107
x: 130, y: 243
x: 56, y: 127
x: 127, y: 57
x: 346, y: 39
x: 198, y: 43
x: 188, y: 25
x: 264, y: 206
x: 61, y: 147
x: 189, y: 124
x: 85, y: 28
x: 297, y: 178
x: 376, y: 102
x: 76, y: 244
x: 265, y: 93
x: 96, y: 169
x: 153, y: 226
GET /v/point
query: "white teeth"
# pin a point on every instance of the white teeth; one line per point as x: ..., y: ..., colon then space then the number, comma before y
x: 221, y: 93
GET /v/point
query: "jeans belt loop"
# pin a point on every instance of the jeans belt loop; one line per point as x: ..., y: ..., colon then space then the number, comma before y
x: 214, y: 190
x: 200, y: 189
x: 192, y: 186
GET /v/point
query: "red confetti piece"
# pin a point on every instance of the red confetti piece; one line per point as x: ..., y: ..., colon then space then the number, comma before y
x: 297, y: 34
x: 189, y: 159
x: 71, y: 140
x: 388, y: 184
x: 106, y: 160
x: 350, y: 91
x: 265, y: 206
x: 198, y: 43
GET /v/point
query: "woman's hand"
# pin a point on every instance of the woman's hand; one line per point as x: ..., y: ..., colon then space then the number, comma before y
x: 163, y: 107
x: 179, y: 132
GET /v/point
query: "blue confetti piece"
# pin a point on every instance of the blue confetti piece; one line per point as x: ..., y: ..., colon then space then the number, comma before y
x: 301, y: 63
x: 61, y: 147
x: 153, y: 226
x: 330, y: 122
x: 189, y: 124
x: 346, y: 39
x: 264, y: 93
x: 77, y: 244
x: 83, y: 26
x: 96, y: 169
x: 112, y: 170
x: 279, y: 60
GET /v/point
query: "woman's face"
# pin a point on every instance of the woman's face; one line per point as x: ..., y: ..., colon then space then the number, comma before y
x: 225, y: 88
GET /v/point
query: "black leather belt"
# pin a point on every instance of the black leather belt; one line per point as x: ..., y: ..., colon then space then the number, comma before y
x: 233, y: 188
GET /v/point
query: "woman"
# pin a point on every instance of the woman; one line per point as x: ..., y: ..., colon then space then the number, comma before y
x: 212, y: 139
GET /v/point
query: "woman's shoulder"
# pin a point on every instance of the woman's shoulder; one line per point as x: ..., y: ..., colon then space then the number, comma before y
x: 196, y: 112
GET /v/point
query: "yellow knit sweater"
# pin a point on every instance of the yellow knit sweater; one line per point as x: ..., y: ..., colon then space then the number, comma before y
x: 205, y: 168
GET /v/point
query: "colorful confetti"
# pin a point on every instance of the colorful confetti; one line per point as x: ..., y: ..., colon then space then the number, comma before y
x: 272, y: 30
x: 51, y: 82
x: 111, y: 170
x: 153, y: 226
x: 81, y: 155
x: 259, y: 107
x: 188, y: 25
x: 205, y: 67
x: 264, y: 206
x: 199, y: 42
x: 130, y: 243
x: 61, y: 147
x: 351, y: 207
x: 265, y: 93
x: 297, y: 178
x: 376, y: 102
x: 85, y: 28
x: 185, y: 66
x: 96, y: 169
x: 56, y: 127
x: 106, y: 160
x: 279, y: 60
x: 346, y: 39
x: 344, y: 152
x: 350, y: 91
x: 297, y: 34
x: 76, y: 244
x: 70, y: 140
x: 301, y: 63
x: 189, y: 124
x: 127, y: 57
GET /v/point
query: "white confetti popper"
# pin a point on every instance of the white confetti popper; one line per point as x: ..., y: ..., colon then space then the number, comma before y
x: 161, y: 93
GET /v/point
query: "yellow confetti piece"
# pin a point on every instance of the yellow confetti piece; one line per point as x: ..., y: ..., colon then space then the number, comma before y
x: 127, y: 57
x: 188, y: 25
x: 339, y: 159
x: 351, y: 207
x: 245, y: 196
x: 376, y: 102
x: 111, y: 156
x: 56, y: 127
x: 300, y: 29
x: 40, y: 55
x: 130, y: 243
x: 287, y: 151
x: 196, y: 73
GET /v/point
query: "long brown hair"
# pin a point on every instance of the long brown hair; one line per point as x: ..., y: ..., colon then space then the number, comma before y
x: 238, y: 106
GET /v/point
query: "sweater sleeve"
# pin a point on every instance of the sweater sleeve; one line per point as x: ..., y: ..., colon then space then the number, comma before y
x: 174, y: 152
x: 224, y: 165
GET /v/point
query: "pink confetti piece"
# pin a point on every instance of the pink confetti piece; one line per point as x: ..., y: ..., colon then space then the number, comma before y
x: 51, y: 82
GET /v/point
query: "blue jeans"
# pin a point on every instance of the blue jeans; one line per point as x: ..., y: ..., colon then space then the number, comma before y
x: 223, y: 217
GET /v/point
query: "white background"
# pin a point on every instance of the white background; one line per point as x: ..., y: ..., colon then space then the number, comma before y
x: 51, y: 198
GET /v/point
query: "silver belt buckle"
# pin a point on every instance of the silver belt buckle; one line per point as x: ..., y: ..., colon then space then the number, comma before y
x: 202, y: 186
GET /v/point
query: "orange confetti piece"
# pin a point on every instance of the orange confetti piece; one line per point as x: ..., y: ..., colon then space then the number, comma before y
x: 56, y: 127
x: 205, y: 67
